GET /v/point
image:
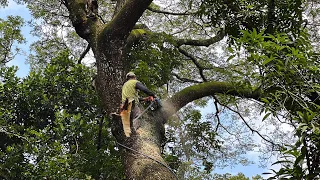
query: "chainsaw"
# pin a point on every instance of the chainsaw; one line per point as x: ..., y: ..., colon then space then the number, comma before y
x: 155, y: 104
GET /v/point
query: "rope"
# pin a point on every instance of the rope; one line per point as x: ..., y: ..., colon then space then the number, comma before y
x: 126, y: 147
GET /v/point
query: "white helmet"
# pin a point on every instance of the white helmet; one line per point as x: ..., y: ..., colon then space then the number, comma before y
x: 130, y: 74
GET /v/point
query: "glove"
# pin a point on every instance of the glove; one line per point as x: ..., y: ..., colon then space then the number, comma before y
x: 150, y: 99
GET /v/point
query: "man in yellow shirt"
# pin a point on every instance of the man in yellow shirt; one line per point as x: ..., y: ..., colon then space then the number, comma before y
x: 130, y: 100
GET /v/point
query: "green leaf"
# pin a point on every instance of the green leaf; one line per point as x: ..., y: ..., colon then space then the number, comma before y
x: 230, y: 49
x: 268, y: 60
x: 304, y: 129
x: 231, y: 57
x: 266, y: 116
x: 35, y: 133
x: 281, y: 162
x: 265, y: 100
x: 299, y: 160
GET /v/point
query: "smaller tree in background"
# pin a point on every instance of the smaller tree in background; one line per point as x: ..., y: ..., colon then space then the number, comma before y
x: 51, y: 125
x: 10, y: 36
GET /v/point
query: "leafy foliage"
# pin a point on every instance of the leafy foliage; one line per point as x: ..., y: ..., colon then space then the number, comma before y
x: 3, y: 3
x: 154, y: 60
x: 288, y: 74
x: 10, y: 34
x: 49, y: 125
x: 285, y: 16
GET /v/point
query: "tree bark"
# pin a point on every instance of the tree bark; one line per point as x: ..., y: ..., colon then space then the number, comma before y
x: 142, y: 150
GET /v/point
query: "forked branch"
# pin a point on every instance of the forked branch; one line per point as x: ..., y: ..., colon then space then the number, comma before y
x: 194, y: 60
x: 84, y: 53
x: 185, y: 79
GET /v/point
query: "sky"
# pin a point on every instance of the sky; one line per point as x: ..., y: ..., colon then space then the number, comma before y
x: 24, y: 68
x: 14, y: 9
x: 252, y: 169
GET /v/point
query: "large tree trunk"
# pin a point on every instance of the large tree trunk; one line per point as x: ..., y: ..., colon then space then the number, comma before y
x: 111, y: 73
x: 142, y: 150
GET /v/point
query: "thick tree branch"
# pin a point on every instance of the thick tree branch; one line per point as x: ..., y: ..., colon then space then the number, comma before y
x: 216, y: 101
x: 101, y: 18
x: 170, y: 13
x: 77, y: 15
x: 124, y: 21
x: 136, y: 35
x: 198, y: 91
x: 204, y: 42
x: 194, y: 60
x: 185, y: 79
x: 119, y: 5
x: 307, y: 156
x: 84, y: 53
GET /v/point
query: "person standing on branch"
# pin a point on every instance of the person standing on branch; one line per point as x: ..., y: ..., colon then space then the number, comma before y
x: 130, y: 101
